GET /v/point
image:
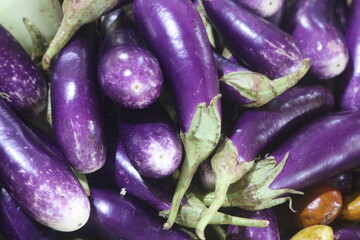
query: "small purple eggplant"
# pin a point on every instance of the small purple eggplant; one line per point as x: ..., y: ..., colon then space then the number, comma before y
x: 264, y: 8
x: 76, y: 104
x: 21, y: 84
x: 150, y: 140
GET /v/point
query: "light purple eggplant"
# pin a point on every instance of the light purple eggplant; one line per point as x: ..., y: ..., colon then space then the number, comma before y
x: 259, y: 45
x: 150, y: 140
x: 115, y: 216
x: 264, y: 8
x: 76, y: 104
x: 346, y: 230
x: 350, y: 81
x: 128, y: 73
x: 177, y: 37
x: 253, y: 131
x: 314, y: 29
x: 21, y: 84
x: 76, y: 14
x: 16, y: 225
x: 39, y: 182
x: 270, y: 232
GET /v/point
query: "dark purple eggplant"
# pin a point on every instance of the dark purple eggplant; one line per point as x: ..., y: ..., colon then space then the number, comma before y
x: 128, y: 73
x: 263, y: 8
x: 346, y: 230
x: 263, y: 47
x: 16, y: 225
x: 181, y: 45
x: 270, y: 232
x: 76, y: 14
x: 150, y: 140
x: 255, y: 129
x: 350, y: 82
x: 39, y: 182
x: 21, y: 84
x: 76, y: 104
x: 343, y: 181
x: 314, y: 29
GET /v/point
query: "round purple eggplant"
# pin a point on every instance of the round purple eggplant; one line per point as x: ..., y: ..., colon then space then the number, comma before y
x: 259, y: 45
x: 21, y: 84
x: 39, y: 182
x: 263, y: 8
x: 76, y: 104
x: 177, y: 37
x: 128, y: 73
x: 150, y: 140
x: 313, y: 27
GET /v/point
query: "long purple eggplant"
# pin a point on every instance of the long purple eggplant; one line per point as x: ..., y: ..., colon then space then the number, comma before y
x: 39, y: 182
x: 128, y: 73
x: 21, y: 84
x: 264, y: 8
x: 350, y: 83
x: 346, y: 230
x: 151, y: 140
x: 76, y: 104
x: 16, y: 225
x: 181, y: 45
x: 318, y: 151
x: 254, y: 130
x: 261, y: 46
x: 314, y: 29
x: 76, y: 14
x: 270, y: 232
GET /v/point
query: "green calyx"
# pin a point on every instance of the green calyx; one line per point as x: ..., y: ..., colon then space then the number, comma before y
x: 199, y: 141
x: 83, y: 181
x: 259, y: 88
x: 252, y: 191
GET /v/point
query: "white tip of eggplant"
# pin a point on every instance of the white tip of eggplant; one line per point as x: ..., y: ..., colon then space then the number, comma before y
x: 269, y: 7
x: 332, y: 67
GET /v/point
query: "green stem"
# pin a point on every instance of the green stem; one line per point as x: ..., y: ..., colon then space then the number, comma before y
x: 219, y: 231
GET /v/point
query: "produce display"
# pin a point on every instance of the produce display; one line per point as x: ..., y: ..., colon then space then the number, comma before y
x: 180, y: 119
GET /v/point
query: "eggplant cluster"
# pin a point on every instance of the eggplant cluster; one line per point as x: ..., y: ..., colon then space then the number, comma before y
x: 154, y: 119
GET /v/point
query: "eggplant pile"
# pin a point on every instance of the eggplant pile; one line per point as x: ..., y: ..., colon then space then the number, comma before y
x: 180, y: 119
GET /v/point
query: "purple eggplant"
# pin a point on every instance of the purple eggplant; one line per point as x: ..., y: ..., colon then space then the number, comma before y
x: 21, y: 84
x: 350, y: 95
x: 39, y: 182
x: 176, y: 30
x: 270, y: 232
x: 343, y: 181
x: 254, y: 130
x: 16, y: 225
x: 263, y: 8
x: 264, y: 48
x: 313, y: 27
x: 76, y: 104
x: 114, y: 216
x: 128, y: 73
x: 76, y: 14
x: 346, y: 230
x: 150, y: 140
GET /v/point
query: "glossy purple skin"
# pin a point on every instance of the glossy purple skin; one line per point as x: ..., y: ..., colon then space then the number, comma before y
x: 343, y: 181
x: 114, y: 216
x: 341, y: 15
x: 128, y: 73
x: 264, y: 8
x: 261, y: 46
x: 271, y: 232
x: 150, y: 140
x: 76, y: 105
x: 346, y: 230
x: 322, y: 149
x: 350, y: 96
x: 15, y: 224
x: 313, y: 27
x: 44, y: 187
x: 19, y: 78
x: 183, y: 51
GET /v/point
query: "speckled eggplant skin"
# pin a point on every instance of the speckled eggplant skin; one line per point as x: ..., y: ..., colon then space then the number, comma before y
x: 128, y: 73
x: 326, y: 147
x: 350, y: 83
x: 261, y: 46
x: 314, y: 29
x: 76, y: 105
x: 39, y: 182
x: 271, y: 232
x: 20, y: 81
x: 346, y: 230
x: 177, y: 37
x: 15, y: 224
x: 264, y: 8
x: 114, y: 216
x: 150, y: 140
